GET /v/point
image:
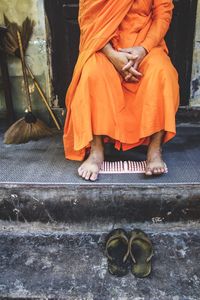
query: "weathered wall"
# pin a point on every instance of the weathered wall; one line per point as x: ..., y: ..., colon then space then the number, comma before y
x: 195, y: 83
x: 37, y: 57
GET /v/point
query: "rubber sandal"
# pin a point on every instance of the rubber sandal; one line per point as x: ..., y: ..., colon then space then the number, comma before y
x: 116, y: 251
x: 141, y: 252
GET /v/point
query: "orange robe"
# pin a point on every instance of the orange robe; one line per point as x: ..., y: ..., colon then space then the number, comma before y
x: 99, y: 101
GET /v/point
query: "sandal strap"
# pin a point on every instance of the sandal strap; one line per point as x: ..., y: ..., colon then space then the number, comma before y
x: 120, y: 235
x: 143, y: 238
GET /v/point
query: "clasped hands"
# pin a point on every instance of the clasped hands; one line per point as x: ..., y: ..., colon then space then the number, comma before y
x: 126, y: 61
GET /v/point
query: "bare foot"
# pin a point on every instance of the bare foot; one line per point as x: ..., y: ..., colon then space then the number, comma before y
x: 90, y: 168
x: 155, y: 163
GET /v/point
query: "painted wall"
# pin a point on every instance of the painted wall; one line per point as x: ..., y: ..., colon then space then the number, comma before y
x: 195, y: 83
x: 36, y: 56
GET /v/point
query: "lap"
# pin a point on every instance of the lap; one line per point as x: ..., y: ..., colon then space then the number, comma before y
x: 157, y: 60
x: 99, y: 67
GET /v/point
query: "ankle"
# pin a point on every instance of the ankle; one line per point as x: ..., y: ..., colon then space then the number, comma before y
x: 97, y: 150
x: 154, y: 153
x: 155, y: 149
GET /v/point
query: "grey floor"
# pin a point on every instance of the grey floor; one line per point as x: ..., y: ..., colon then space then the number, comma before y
x: 43, y: 162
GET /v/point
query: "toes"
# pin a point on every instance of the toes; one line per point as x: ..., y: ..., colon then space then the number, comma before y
x: 84, y: 174
x: 148, y: 172
x: 80, y: 171
x: 152, y: 169
x: 158, y: 171
x: 94, y: 176
x: 87, y: 176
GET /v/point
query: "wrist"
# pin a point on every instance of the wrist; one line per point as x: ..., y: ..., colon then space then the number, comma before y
x: 111, y: 55
x: 145, y: 50
x: 109, y: 51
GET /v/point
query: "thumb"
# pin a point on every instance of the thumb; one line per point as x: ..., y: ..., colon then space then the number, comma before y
x: 132, y: 56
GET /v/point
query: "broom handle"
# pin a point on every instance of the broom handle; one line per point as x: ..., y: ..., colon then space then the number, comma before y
x: 24, y: 70
x: 37, y: 85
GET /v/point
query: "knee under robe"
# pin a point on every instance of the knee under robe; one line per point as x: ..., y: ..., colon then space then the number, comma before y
x: 99, y: 101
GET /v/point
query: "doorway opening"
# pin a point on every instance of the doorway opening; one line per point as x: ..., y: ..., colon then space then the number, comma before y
x: 63, y: 19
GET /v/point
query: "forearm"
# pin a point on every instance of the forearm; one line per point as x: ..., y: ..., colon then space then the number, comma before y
x: 108, y: 51
x: 155, y: 35
x: 162, y: 15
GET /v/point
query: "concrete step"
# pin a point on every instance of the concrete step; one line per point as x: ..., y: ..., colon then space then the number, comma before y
x: 37, y: 183
x: 60, y: 261
x: 43, y: 162
x: 95, y: 202
x: 53, y: 224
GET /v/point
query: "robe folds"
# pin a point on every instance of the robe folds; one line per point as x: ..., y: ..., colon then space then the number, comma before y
x: 99, y: 101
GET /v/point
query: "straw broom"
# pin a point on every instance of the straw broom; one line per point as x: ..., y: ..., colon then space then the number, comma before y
x: 15, y: 43
x: 11, y: 47
x: 29, y: 127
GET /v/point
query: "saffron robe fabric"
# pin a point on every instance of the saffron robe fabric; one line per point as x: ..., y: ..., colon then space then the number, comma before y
x: 99, y: 101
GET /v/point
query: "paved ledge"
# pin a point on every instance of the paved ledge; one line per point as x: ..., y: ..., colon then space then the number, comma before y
x: 51, y: 262
x: 38, y: 184
x: 97, y: 203
x: 17, y: 228
x: 43, y: 162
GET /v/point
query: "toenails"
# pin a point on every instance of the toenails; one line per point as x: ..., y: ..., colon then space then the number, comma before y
x: 88, y: 174
x: 94, y: 177
x: 155, y: 171
x: 80, y: 172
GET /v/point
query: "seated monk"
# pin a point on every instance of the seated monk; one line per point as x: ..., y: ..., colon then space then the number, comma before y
x: 124, y: 87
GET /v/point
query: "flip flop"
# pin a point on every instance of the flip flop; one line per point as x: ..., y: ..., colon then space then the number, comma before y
x: 116, y: 251
x: 141, y: 252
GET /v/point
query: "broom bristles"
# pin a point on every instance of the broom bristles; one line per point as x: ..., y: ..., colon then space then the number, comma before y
x: 27, y: 31
x: 11, y: 44
x: 22, y: 132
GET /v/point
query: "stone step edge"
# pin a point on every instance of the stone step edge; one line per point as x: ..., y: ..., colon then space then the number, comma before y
x: 94, y: 185
x: 87, y: 203
x: 18, y: 228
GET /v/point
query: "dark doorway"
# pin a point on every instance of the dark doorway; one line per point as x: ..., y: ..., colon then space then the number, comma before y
x: 63, y: 20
